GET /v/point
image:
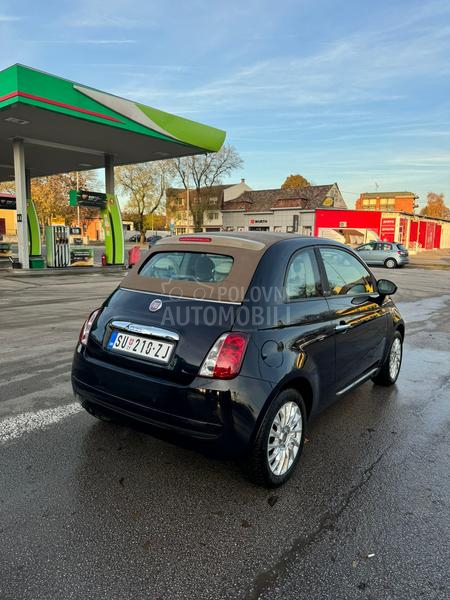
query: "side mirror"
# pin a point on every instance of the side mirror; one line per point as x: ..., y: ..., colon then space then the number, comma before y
x: 386, y: 287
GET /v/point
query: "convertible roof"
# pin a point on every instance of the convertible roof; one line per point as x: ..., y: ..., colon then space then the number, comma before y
x: 245, y: 240
x: 246, y: 249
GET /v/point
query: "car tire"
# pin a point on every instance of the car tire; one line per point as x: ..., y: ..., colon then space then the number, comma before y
x: 390, y: 263
x: 263, y: 464
x: 390, y: 370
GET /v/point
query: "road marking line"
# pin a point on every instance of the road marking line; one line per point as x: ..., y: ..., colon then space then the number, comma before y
x: 23, y: 376
x: 15, y: 427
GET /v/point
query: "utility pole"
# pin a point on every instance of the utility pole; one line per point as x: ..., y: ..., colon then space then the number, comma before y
x: 187, y: 200
x: 78, y: 208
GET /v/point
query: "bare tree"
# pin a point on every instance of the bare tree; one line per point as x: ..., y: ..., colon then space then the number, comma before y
x: 145, y: 185
x: 205, y: 171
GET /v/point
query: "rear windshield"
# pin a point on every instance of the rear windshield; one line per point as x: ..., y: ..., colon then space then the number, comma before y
x: 187, y: 266
x: 401, y: 247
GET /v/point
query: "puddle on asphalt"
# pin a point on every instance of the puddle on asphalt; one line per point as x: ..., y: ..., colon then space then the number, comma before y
x: 423, y: 309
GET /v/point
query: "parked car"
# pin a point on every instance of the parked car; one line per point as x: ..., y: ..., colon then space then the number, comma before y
x: 136, y: 237
x: 238, y: 340
x: 153, y: 239
x: 389, y: 254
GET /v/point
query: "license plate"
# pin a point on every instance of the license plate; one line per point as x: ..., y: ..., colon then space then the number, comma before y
x: 143, y: 347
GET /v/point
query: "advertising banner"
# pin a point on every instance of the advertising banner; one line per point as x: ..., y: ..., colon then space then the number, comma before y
x: 81, y: 257
x: 387, y: 230
x: 85, y: 198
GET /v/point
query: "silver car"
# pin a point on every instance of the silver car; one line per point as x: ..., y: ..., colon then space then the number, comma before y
x: 389, y: 254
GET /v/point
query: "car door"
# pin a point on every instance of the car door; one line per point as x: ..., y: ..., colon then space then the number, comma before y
x: 380, y: 253
x: 367, y: 252
x: 297, y: 337
x: 386, y: 251
x: 360, y: 323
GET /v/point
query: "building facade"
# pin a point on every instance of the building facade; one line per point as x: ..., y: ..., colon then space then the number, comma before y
x: 178, y: 201
x: 8, y: 218
x: 283, y: 210
x: 387, y: 201
x: 355, y: 227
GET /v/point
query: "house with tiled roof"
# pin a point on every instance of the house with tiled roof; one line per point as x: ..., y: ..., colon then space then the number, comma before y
x: 286, y: 210
x: 178, y: 202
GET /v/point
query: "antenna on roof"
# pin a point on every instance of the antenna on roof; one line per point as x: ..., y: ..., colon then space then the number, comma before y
x: 377, y: 187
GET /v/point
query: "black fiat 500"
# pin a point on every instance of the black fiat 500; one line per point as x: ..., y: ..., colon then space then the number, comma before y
x: 238, y: 340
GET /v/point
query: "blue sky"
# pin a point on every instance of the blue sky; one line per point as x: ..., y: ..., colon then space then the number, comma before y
x: 353, y: 92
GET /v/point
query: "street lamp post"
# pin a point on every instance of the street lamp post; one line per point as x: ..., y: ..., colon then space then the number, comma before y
x: 78, y: 208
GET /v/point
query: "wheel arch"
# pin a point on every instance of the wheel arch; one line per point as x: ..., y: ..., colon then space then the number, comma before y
x: 401, y: 329
x: 303, y: 386
x: 299, y: 383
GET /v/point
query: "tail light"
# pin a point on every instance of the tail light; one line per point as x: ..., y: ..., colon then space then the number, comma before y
x: 224, y: 360
x: 87, y: 326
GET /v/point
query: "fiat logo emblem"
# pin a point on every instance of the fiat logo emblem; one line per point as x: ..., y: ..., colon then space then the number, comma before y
x: 155, y: 305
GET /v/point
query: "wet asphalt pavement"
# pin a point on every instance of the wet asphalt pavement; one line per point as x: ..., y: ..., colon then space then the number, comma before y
x: 94, y: 510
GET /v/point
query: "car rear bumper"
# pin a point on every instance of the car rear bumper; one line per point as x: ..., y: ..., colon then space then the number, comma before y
x: 221, y: 413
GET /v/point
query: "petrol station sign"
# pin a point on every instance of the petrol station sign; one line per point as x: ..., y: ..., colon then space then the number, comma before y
x: 111, y: 219
x: 7, y: 203
x: 89, y: 199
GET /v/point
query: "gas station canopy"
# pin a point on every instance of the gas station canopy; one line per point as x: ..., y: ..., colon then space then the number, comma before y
x: 50, y: 125
x: 69, y: 127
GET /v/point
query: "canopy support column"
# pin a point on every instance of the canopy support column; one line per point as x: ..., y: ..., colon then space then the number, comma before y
x: 28, y: 183
x: 109, y: 174
x: 21, y: 201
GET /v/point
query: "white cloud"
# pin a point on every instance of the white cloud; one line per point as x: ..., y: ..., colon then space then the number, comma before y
x: 108, y: 21
x: 80, y: 41
x: 422, y: 161
x: 9, y: 18
x: 366, y: 67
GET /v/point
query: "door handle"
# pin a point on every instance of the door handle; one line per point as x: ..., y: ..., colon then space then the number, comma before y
x: 342, y: 326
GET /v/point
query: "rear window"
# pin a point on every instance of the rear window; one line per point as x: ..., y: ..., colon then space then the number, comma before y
x: 188, y: 266
x: 401, y: 247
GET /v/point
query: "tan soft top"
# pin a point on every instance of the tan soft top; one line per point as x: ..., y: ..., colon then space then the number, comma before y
x: 246, y: 249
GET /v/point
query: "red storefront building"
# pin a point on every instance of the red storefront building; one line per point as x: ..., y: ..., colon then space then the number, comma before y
x: 359, y: 226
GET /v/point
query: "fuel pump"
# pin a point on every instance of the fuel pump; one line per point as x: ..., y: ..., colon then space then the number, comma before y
x: 58, y: 246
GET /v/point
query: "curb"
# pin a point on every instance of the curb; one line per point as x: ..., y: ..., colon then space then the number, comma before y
x: 74, y: 271
x: 430, y: 266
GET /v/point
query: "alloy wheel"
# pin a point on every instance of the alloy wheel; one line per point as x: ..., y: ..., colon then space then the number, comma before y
x: 390, y: 263
x: 395, y: 358
x: 285, y: 437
